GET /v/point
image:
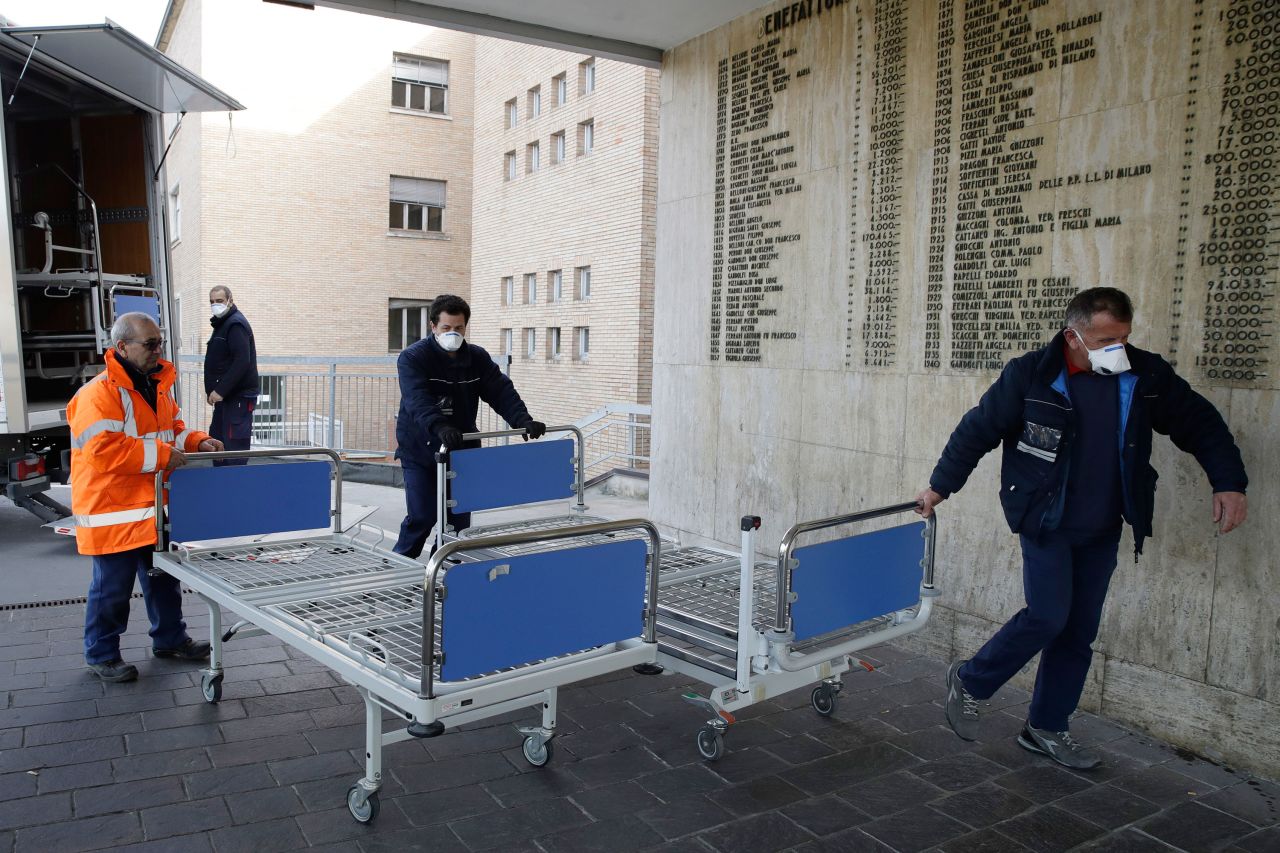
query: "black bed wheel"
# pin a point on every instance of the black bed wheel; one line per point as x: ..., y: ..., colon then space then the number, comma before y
x: 710, y: 744
x: 211, y: 687
x: 823, y: 699
x: 363, y: 812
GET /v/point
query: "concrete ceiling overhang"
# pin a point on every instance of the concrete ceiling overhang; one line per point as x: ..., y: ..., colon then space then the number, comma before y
x: 636, y: 31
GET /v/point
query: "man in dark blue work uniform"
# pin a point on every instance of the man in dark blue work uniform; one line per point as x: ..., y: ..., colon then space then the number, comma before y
x: 442, y: 381
x: 1075, y: 418
x: 230, y: 373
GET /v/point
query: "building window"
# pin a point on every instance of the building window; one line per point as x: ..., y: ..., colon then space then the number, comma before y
x: 557, y: 147
x: 587, y: 76
x: 530, y: 343
x: 513, y: 113
x: 581, y: 342
x: 509, y: 168
x: 534, y: 99
x: 175, y: 214
x: 509, y: 290
x: 408, y: 320
x: 417, y: 204
x: 553, y: 343
x: 586, y: 137
x: 506, y: 342
x: 561, y: 84
x: 420, y: 84
x: 531, y: 288
x: 582, y: 275
x: 532, y: 157
x: 554, y: 286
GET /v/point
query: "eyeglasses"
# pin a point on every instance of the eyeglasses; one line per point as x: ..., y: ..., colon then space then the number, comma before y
x: 152, y: 344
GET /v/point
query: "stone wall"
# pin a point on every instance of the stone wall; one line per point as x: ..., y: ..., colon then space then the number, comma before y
x: 866, y: 208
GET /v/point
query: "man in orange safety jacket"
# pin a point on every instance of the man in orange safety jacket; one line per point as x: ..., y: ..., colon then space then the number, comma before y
x: 125, y: 426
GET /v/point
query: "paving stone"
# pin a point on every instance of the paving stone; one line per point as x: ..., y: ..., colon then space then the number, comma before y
x: 933, y: 743
x: 55, y: 713
x: 10, y: 738
x: 673, y: 785
x: 451, y: 772
x: 1254, y: 801
x: 133, y: 702
x: 616, y: 835
x: 1005, y: 750
x: 166, y: 740
x: 30, y: 811
x: 287, y: 703
x: 55, y: 695
x: 616, y: 800
x: 76, y: 730
x: 191, y: 715
x: 1162, y: 786
x: 264, y: 837
x: 742, y: 765
x: 912, y: 718
x: 324, y: 794
x: 850, y: 841
x: 601, y: 740
x: 228, y: 780
x: 230, y: 690
x: 763, y: 833
x: 52, y: 663
x: 1049, y: 829
x: 198, y: 843
x: 238, y: 657
x: 453, y: 744
x: 824, y: 815
x: 254, y: 672
x: 253, y: 751
x: 184, y: 818
x: 549, y: 783
x: 619, y: 766
x: 318, y: 679
x: 758, y: 795
x: 446, y: 805
x: 1126, y: 841
x: 1263, y: 841
x: 891, y: 793
x: 28, y: 680
x: 856, y: 765
x: 263, y: 804
x: 850, y: 734
x: 1196, y: 828
x: 127, y: 797
x: 1108, y: 806
x: 159, y: 764
x: 256, y: 727
x: 55, y: 754
x: 956, y: 772
x: 1138, y: 747
x: 684, y: 816
x: 981, y: 841
x: 507, y: 827
x: 340, y: 716
x: 982, y: 805
x: 309, y: 767
x: 16, y: 785
x: 1042, y: 783
x: 71, y: 776
x: 914, y: 829
x: 408, y: 841
x: 799, y: 749
x: 72, y: 836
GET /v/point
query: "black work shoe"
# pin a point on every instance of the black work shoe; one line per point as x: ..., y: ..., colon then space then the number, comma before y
x: 114, y: 670
x: 1060, y: 746
x: 190, y: 650
x: 962, y: 708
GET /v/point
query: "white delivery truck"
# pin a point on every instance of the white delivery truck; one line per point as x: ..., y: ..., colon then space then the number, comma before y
x: 86, y: 236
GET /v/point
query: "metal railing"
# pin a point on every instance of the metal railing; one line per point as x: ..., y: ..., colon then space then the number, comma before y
x: 617, y: 436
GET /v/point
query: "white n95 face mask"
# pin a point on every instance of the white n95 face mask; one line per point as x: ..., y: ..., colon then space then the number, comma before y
x: 449, y: 341
x: 217, y: 309
x: 1108, y: 360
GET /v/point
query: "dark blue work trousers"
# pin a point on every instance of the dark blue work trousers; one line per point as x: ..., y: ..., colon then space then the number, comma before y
x: 232, y: 424
x: 420, y: 506
x: 1065, y: 576
x: 107, y: 613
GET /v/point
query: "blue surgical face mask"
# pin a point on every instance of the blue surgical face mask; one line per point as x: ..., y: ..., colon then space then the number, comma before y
x: 449, y: 341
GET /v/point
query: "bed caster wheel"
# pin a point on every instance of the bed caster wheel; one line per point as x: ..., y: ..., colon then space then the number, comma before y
x: 823, y: 699
x: 211, y: 686
x: 362, y: 811
x: 536, y: 751
x: 710, y: 744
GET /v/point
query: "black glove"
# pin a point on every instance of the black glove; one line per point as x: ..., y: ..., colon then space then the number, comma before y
x: 450, y: 437
x: 534, y: 429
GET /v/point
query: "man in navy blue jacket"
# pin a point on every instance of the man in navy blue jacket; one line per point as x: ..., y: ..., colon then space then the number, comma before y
x: 230, y: 373
x: 1075, y: 419
x: 443, y: 379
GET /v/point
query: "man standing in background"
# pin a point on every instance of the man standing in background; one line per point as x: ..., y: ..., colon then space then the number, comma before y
x: 230, y: 373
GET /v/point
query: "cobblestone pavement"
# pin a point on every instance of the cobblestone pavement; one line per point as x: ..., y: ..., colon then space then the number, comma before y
x: 151, y: 766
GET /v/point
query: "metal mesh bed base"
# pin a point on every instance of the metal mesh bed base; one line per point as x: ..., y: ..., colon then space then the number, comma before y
x: 558, y: 522
x: 248, y: 568
x: 714, y: 598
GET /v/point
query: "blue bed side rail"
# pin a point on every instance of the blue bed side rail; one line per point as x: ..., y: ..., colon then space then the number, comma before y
x: 846, y: 581
x: 511, y: 474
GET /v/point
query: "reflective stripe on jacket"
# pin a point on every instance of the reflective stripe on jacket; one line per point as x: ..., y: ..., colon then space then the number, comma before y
x: 118, y: 442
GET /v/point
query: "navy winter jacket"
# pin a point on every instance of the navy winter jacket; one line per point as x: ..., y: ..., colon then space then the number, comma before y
x: 436, y: 389
x: 1029, y: 410
x: 231, y: 357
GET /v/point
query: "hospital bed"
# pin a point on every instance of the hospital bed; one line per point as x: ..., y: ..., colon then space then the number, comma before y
x: 445, y: 644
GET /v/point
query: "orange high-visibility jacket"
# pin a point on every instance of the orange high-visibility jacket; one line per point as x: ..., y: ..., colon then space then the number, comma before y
x: 117, y: 444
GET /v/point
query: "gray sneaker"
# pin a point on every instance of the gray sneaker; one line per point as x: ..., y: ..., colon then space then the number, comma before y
x: 1060, y: 746
x: 962, y: 708
x: 114, y: 670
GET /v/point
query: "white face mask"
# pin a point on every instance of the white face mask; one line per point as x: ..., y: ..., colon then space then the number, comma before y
x: 449, y: 341
x: 1108, y: 360
x: 218, y: 309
